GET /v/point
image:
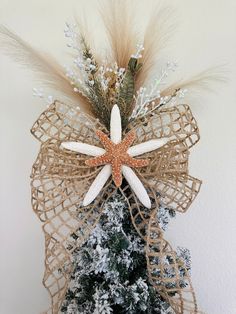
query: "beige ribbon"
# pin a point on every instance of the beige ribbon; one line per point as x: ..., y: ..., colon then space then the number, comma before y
x: 60, y: 179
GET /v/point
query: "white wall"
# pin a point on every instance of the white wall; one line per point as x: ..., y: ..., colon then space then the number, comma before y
x: 206, y: 37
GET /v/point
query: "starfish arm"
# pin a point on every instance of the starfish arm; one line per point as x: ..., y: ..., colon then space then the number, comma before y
x: 83, y: 148
x: 116, y: 172
x: 97, y: 185
x: 128, y: 140
x: 137, y: 186
x: 135, y: 163
x: 115, y: 125
x: 98, y: 161
x: 106, y: 142
x: 147, y: 147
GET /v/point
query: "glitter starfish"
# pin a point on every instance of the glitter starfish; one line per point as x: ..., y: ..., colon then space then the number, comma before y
x: 117, y: 158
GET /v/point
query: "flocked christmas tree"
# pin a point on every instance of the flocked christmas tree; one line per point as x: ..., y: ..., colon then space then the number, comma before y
x: 110, y: 271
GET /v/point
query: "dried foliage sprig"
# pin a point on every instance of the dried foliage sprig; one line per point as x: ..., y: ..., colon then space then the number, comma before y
x: 125, y: 97
x: 119, y: 22
x: 48, y: 71
x: 159, y: 30
x: 203, y: 80
x: 95, y: 92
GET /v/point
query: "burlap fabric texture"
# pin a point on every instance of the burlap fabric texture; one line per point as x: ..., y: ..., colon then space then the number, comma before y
x: 60, y: 179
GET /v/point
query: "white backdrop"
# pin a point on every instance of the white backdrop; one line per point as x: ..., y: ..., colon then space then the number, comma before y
x: 206, y: 37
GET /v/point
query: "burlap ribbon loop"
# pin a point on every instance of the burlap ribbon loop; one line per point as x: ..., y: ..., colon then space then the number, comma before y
x: 60, y: 180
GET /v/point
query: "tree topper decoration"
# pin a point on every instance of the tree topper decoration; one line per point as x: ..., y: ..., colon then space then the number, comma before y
x: 119, y: 156
x: 111, y: 98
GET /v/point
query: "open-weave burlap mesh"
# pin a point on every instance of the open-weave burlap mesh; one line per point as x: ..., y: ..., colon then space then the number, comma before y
x: 175, y: 123
x: 60, y: 179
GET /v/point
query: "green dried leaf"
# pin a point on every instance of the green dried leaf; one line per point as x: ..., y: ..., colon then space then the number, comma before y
x: 127, y: 90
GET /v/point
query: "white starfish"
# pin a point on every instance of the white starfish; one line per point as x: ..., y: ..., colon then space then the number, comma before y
x: 130, y: 176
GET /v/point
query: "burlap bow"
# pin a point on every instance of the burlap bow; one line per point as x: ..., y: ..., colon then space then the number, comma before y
x: 60, y: 179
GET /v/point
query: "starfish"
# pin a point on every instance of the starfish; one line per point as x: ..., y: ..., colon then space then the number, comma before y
x: 116, y: 158
x: 116, y: 155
